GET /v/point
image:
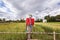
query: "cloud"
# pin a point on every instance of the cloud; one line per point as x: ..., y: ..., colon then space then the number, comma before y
x: 7, y: 10
x: 21, y: 8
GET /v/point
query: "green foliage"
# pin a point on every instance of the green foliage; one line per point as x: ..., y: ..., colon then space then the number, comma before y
x: 52, y: 18
x: 0, y: 19
x: 58, y: 17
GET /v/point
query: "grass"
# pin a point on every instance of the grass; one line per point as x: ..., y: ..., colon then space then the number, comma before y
x: 21, y: 27
x: 12, y: 27
x: 51, y: 26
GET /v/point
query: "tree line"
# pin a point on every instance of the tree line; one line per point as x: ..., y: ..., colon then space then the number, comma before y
x: 52, y: 18
x: 4, y: 20
x: 48, y: 18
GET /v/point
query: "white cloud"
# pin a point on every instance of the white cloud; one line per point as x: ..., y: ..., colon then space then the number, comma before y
x: 8, y: 12
x: 38, y: 8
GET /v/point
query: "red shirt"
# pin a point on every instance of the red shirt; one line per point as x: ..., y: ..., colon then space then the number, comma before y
x: 30, y: 21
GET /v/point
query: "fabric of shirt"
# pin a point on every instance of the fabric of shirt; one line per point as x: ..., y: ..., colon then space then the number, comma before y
x: 29, y: 21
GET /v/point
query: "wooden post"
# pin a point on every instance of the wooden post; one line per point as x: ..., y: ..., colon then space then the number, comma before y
x: 29, y: 36
x: 54, y: 35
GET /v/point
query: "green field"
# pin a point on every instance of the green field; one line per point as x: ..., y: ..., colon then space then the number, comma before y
x: 21, y: 27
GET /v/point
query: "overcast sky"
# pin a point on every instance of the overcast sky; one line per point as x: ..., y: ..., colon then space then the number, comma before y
x: 16, y: 9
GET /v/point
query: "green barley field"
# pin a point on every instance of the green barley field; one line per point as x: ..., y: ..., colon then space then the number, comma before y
x: 21, y: 27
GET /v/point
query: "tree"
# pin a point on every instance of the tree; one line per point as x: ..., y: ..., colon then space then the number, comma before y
x: 48, y: 18
x: 3, y: 19
x: 52, y: 19
x: 0, y: 20
x: 22, y: 20
x: 58, y: 17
